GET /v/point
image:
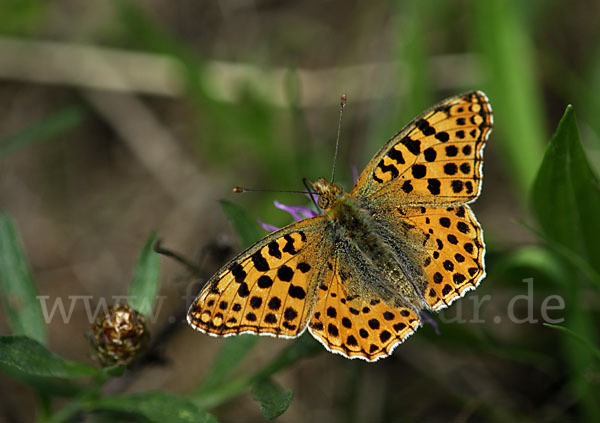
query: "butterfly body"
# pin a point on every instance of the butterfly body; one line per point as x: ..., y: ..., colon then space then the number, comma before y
x: 404, y: 239
x: 384, y: 255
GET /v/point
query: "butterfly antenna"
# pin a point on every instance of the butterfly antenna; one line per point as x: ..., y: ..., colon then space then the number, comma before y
x: 337, y: 142
x: 310, y: 192
x: 239, y: 190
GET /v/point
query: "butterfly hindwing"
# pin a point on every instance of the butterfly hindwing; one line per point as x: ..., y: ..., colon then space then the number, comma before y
x: 435, y: 160
x: 454, y: 262
x: 268, y: 289
x: 357, y: 325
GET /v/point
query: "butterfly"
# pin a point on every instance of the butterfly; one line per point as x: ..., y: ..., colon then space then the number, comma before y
x: 358, y: 275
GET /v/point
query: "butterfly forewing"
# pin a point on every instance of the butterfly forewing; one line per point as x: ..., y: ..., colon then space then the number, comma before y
x: 435, y: 160
x: 268, y: 289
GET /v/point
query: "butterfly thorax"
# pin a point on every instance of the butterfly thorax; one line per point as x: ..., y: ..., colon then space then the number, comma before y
x: 355, y: 225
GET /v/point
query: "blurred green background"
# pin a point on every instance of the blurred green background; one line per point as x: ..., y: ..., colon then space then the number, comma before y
x: 123, y: 117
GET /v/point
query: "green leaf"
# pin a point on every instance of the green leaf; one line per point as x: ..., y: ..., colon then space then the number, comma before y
x: 26, y: 356
x: 578, y: 337
x: 273, y: 400
x: 533, y: 257
x: 244, y: 225
x: 566, y: 201
x: 554, y: 268
x: 566, y: 194
x: 156, y: 407
x: 114, y: 371
x: 413, y: 45
x: 44, y: 130
x: 144, y: 287
x: 19, y: 293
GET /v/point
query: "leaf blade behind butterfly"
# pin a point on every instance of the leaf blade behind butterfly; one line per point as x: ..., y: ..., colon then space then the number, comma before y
x: 27, y: 356
x: 153, y: 406
x: 145, y: 283
x: 19, y: 293
x: 566, y: 194
x: 272, y: 398
x: 246, y: 228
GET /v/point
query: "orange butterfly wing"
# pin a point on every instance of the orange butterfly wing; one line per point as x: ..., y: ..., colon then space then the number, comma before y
x: 269, y: 289
x: 435, y: 160
x: 357, y: 326
x: 454, y: 261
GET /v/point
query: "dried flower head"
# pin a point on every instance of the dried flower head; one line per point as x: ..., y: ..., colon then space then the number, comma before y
x: 119, y: 336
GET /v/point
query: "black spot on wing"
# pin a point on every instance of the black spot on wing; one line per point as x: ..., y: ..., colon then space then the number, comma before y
x: 260, y: 263
x: 396, y: 155
x: 289, y: 245
x: 442, y: 136
x: 265, y: 282
x: 303, y: 267
x: 414, y: 146
x: 434, y: 185
x: 238, y: 272
x: 297, y: 292
x: 274, y: 250
x: 419, y: 170
x: 425, y: 127
x: 430, y: 154
x: 457, y: 186
x: 285, y: 273
x: 388, y: 168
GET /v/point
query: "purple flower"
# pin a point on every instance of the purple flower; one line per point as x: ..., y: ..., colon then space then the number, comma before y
x: 297, y: 212
x: 427, y: 319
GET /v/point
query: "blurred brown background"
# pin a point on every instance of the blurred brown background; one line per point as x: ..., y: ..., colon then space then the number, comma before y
x: 119, y: 118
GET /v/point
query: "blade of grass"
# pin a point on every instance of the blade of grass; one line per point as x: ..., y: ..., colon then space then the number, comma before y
x: 501, y: 37
x: 145, y: 283
x: 578, y: 337
x: 19, y: 293
x: 55, y: 124
x: 413, y: 49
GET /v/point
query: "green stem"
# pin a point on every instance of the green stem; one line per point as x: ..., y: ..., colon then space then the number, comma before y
x: 44, y: 407
x: 304, y: 346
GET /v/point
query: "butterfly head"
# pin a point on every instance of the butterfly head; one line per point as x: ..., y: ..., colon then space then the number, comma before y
x: 328, y: 192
